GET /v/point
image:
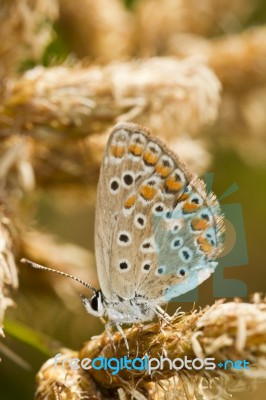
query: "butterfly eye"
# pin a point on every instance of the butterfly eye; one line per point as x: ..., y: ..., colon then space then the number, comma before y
x: 94, y: 303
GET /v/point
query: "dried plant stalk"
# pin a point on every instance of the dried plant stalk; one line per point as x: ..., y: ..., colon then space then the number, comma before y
x: 25, y: 30
x: 79, y: 101
x: 9, y: 193
x: 238, y: 60
x: 8, y: 271
x: 232, y: 330
x: 58, y: 106
x: 67, y: 385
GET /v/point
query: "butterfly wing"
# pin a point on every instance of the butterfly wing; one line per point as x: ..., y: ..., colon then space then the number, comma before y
x: 157, y: 231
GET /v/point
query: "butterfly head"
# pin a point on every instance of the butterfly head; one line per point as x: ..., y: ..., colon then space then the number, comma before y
x: 95, y: 305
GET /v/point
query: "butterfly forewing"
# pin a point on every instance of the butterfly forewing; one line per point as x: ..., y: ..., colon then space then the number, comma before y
x: 156, y: 227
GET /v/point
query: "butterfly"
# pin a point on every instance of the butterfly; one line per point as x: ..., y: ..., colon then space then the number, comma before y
x: 157, y: 231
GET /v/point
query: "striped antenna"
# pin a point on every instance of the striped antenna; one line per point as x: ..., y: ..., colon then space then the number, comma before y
x: 38, y: 266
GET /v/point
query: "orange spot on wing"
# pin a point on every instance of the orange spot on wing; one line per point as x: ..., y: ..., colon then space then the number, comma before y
x: 135, y: 149
x: 148, y: 192
x: 190, y: 207
x: 130, y: 201
x: 204, y: 245
x: 118, y: 151
x: 162, y: 170
x: 184, y: 196
x: 150, y: 158
x: 173, y: 184
x: 199, y: 224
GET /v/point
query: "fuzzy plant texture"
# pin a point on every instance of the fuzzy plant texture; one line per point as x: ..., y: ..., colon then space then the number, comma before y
x: 232, y: 330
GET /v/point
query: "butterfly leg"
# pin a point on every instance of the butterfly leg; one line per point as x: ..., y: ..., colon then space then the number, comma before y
x: 120, y: 330
x: 108, y: 330
x: 162, y: 314
x: 159, y: 311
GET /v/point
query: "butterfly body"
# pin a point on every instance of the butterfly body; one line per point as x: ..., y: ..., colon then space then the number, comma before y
x: 157, y: 231
x: 137, y: 309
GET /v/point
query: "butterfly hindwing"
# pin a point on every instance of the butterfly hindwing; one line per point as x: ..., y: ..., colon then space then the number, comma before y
x: 156, y: 226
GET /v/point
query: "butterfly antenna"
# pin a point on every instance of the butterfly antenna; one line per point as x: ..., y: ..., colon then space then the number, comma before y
x: 38, y: 266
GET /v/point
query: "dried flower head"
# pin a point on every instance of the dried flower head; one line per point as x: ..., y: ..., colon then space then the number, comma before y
x: 8, y: 271
x: 233, y: 330
x: 173, y: 98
